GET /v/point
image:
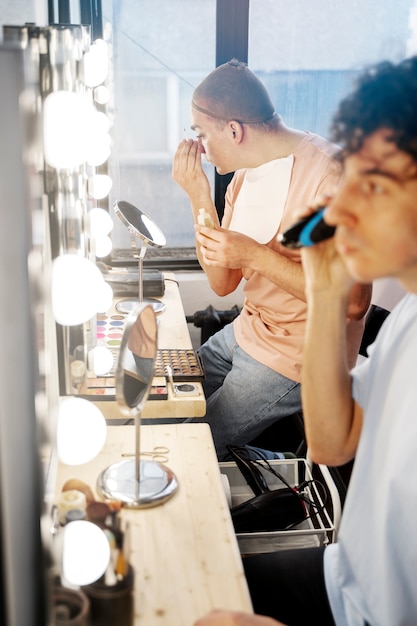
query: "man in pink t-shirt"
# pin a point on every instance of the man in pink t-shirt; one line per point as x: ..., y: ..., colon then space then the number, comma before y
x: 253, y: 365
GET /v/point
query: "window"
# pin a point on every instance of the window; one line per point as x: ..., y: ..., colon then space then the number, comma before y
x: 161, y: 51
x: 306, y: 52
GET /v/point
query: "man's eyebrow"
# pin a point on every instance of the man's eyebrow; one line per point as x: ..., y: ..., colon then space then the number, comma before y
x: 377, y: 171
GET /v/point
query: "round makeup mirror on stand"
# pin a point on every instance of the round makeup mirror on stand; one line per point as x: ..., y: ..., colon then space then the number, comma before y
x: 141, y: 227
x: 137, y: 482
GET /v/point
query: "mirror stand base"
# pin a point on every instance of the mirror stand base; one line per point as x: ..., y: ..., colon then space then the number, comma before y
x: 126, y: 306
x: 119, y: 482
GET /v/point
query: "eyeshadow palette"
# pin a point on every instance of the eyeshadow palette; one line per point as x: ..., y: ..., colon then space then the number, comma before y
x: 110, y: 330
x: 185, y: 364
x: 109, y: 333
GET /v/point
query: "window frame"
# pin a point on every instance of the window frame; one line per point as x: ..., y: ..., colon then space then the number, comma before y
x: 232, y: 41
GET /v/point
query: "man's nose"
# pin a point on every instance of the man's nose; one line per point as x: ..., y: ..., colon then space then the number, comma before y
x: 341, y: 207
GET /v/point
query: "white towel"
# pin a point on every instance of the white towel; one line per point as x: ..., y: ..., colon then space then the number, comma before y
x: 261, y: 200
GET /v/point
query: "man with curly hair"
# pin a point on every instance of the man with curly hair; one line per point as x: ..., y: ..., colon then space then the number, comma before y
x: 368, y: 577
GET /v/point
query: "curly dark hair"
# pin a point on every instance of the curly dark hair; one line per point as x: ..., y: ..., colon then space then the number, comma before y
x: 385, y: 97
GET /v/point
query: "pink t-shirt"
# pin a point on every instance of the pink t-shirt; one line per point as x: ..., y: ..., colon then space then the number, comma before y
x: 271, y: 325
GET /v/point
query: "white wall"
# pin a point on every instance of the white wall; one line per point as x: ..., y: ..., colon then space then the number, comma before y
x: 197, y: 294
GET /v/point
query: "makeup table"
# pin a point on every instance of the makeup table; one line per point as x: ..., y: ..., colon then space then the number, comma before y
x: 184, y: 552
x: 172, y: 334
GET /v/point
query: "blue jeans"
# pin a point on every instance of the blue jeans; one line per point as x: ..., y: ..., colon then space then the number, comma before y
x: 243, y: 396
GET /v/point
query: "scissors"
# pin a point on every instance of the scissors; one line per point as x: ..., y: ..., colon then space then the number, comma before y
x: 159, y: 454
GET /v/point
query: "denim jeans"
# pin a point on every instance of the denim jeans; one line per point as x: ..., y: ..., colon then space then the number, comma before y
x: 243, y: 396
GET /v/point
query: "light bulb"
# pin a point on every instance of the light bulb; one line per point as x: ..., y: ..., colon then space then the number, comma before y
x: 67, y: 119
x: 96, y: 64
x: 85, y: 552
x: 104, y: 297
x: 101, y: 94
x: 77, y: 289
x: 101, y: 359
x: 103, y: 246
x: 101, y: 122
x: 99, y: 186
x: 99, y: 140
x: 99, y: 222
x: 99, y: 150
x: 81, y: 431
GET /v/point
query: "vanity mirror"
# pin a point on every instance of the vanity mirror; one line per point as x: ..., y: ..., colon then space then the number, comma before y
x: 141, y: 227
x: 137, y: 482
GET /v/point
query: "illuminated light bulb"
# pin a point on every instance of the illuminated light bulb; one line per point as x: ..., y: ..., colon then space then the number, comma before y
x: 103, y: 246
x: 77, y: 289
x: 99, y: 141
x: 102, y: 360
x: 67, y: 118
x: 81, y: 431
x: 99, y: 186
x: 85, y: 553
x: 96, y: 64
x: 104, y: 297
x: 99, y: 222
x: 98, y: 150
x: 101, y: 94
x: 101, y: 122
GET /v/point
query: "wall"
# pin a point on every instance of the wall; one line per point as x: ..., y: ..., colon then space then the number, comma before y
x: 197, y: 294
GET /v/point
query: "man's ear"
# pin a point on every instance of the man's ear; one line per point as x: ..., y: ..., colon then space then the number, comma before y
x: 236, y: 130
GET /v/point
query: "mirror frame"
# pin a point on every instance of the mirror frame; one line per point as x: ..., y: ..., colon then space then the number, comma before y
x: 137, y: 483
x: 121, y: 207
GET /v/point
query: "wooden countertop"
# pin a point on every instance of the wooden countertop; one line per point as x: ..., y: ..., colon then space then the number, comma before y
x: 184, y: 552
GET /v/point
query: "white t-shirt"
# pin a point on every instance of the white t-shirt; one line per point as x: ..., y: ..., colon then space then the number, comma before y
x: 371, y: 572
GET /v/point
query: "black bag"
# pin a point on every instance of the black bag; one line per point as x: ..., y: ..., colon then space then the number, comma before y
x: 268, y: 510
x: 275, y: 510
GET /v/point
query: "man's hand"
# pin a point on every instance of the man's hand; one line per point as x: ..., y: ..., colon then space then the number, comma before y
x: 234, y: 618
x: 187, y: 169
x: 226, y: 248
x: 324, y: 268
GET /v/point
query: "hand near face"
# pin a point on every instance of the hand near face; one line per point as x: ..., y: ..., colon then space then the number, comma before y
x: 226, y: 248
x: 233, y: 618
x: 187, y: 169
x: 324, y: 268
